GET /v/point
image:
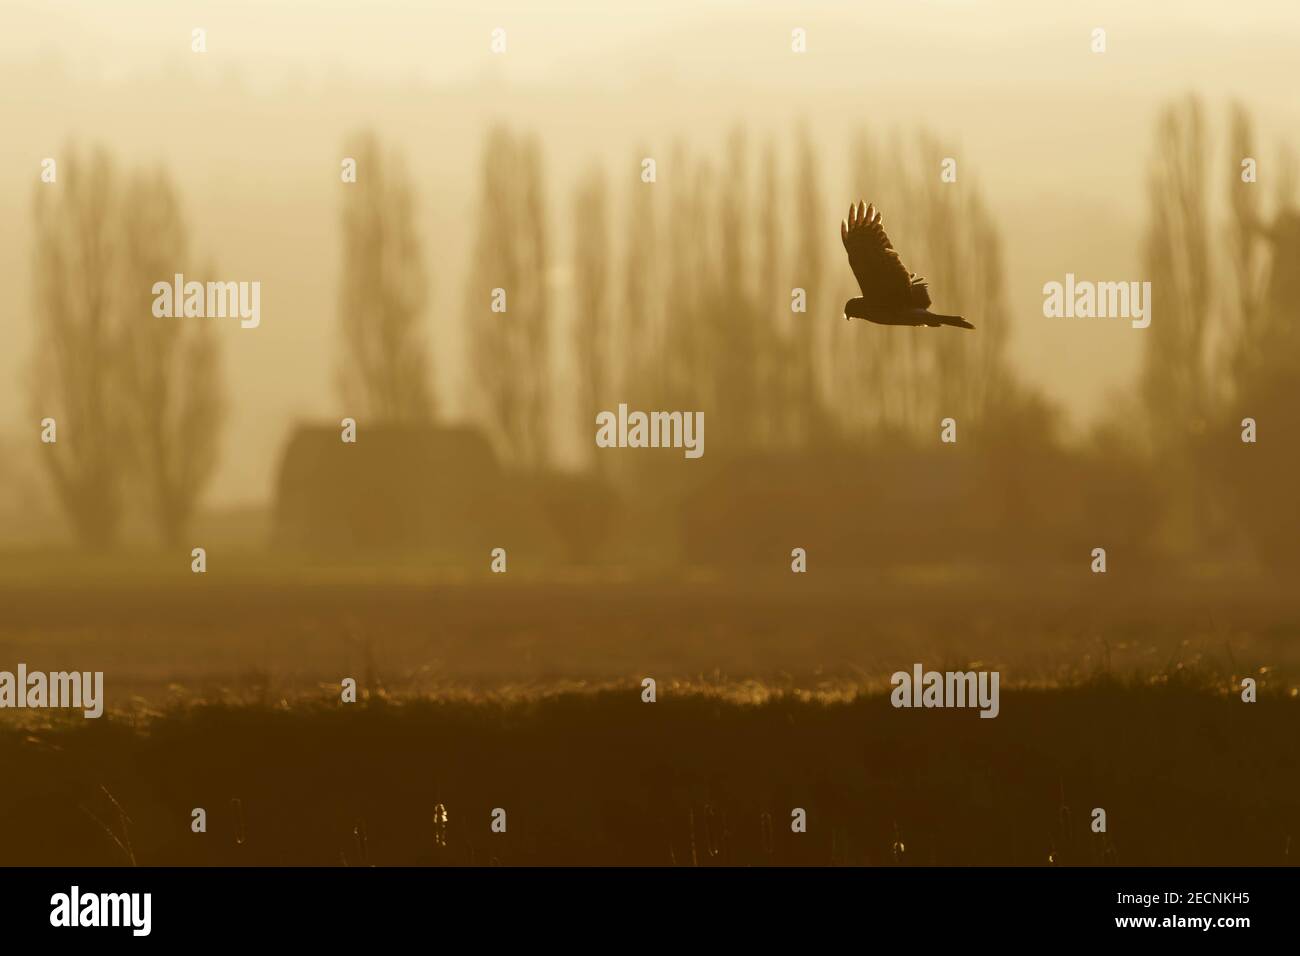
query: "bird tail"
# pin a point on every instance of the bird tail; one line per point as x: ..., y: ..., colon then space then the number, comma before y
x: 953, y: 320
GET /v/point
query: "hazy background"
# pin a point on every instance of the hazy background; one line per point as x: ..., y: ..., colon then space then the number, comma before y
x: 252, y: 132
x: 372, y: 561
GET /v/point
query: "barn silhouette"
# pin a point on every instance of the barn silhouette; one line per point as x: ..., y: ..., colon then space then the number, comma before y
x: 398, y: 487
x: 438, y: 491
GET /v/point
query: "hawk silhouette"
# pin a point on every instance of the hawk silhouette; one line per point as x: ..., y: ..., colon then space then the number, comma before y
x: 890, y: 294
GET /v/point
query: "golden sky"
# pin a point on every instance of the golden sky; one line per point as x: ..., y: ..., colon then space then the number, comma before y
x: 1057, y: 138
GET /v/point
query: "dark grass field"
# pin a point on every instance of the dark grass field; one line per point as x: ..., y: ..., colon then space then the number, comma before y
x: 523, y: 693
x: 1185, y: 777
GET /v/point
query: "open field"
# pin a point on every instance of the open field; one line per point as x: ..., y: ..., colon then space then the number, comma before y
x: 222, y: 693
x: 248, y: 632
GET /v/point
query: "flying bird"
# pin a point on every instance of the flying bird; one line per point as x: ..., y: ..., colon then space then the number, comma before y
x: 890, y: 294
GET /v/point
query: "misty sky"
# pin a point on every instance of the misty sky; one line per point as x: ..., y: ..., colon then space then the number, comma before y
x: 1057, y: 138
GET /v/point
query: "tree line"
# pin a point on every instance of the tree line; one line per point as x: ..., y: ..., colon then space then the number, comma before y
x: 714, y: 285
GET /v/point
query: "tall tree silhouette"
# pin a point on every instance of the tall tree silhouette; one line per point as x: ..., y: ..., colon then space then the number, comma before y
x: 732, y: 322
x: 593, y: 325
x: 958, y: 242
x: 1245, y: 241
x: 510, y: 350
x: 772, y: 303
x: 686, y: 238
x: 77, y: 341
x: 803, y: 417
x: 170, y: 368
x: 642, y: 297
x: 1263, y: 357
x: 1174, y: 382
x: 137, y: 397
x: 1177, y: 246
x: 384, y: 372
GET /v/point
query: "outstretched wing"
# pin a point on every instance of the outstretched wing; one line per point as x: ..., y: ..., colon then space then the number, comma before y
x: 881, y: 275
